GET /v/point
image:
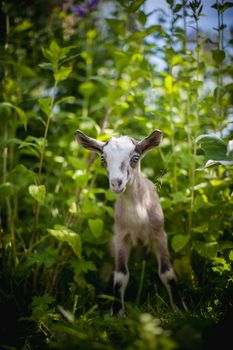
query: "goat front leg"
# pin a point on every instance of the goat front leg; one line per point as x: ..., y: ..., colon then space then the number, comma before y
x: 166, y: 272
x: 122, y: 247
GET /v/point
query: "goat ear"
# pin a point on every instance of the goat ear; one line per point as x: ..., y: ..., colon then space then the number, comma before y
x: 88, y: 142
x: 149, y: 142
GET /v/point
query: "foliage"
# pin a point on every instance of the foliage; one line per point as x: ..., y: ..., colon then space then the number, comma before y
x: 110, y: 73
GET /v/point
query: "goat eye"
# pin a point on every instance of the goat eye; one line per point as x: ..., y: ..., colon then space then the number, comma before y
x: 134, y: 160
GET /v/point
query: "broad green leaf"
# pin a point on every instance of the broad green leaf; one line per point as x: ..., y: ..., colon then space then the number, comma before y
x: 207, y: 250
x: 47, y: 257
x: 62, y: 74
x: 135, y: 5
x: 21, y: 176
x: 83, y: 266
x: 202, y: 228
x: 118, y: 25
x: 179, y: 242
x: 81, y: 178
x: 23, y: 26
x: 96, y: 227
x: 35, y: 142
x: 10, y: 141
x: 24, y: 71
x: 179, y: 197
x: 64, y: 234
x: 87, y: 88
x: 168, y: 83
x: 54, y: 48
x: 7, y: 189
x: 19, y: 111
x: 47, y: 54
x: 176, y: 60
x: 215, y: 150
x: 218, y: 56
x: 37, y: 192
x: 45, y: 104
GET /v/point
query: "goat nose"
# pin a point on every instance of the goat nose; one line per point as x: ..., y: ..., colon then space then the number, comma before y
x: 116, y: 183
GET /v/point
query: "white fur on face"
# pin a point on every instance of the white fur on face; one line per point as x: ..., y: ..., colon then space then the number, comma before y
x: 117, y: 154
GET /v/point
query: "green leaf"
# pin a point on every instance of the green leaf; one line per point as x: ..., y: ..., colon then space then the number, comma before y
x: 96, y: 227
x: 135, y: 5
x: 178, y: 7
x: 21, y: 176
x: 231, y: 255
x: 215, y: 150
x: 118, y: 25
x: 37, y: 192
x: 62, y: 74
x: 168, y: 83
x: 218, y: 56
x: 179, y: 242
x: 7, y: 189
x: 45, y: 104
x: 207, y: 250
x: 54, y: 48
x: 67, y: 99
x: 23, y: 26
x: 64, y: 234
x: 101, y: 80
x: 87, y: 88
x: 83, y: 266
x: 46, y: 65
x: 227, y: 5
x: 179, y: 197
x: 19, y: 111
x: 47, y: 54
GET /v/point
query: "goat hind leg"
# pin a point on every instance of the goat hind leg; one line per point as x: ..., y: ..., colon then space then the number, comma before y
x: 166, y: 272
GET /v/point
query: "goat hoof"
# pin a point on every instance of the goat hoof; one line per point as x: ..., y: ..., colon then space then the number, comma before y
x: 117, y: 310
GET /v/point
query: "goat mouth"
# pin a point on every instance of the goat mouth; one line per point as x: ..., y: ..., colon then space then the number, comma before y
x: 118, y: 190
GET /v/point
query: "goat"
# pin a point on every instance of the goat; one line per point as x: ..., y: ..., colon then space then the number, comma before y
x: 138, y: 214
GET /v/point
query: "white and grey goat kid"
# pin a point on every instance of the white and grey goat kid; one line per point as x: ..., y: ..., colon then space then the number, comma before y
x: 138, y: 214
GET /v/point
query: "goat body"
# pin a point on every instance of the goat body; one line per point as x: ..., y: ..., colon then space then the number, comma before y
x: 138, y: 214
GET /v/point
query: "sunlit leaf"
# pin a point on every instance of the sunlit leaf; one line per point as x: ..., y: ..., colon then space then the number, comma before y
x: 96, y: 226
x: 23, y: 26
x: 87, y: 88
x: 179, y: 242
x: 37, y: 192
x: 207, y: 250
x: 62, y: 74
x: 64, y: 234
x: 45, y: 105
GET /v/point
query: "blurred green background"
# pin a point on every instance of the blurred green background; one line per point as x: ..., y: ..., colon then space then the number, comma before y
x: 111, y: 68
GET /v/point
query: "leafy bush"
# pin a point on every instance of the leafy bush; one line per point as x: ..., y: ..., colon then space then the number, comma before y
x: 83, y: 67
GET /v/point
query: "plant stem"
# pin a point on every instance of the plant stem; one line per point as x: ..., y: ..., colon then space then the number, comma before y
x: 37, y: 205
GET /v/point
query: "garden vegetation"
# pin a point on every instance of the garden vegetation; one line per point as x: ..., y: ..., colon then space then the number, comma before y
x: 109, y: 68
